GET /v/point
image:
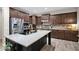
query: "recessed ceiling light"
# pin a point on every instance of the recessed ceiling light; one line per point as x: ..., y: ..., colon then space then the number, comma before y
x: 45, y: 8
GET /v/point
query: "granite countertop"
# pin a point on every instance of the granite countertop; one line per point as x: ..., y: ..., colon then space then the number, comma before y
x: 27, y: 40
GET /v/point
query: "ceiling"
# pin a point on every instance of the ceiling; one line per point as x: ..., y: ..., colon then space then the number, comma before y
x: 40, y: 10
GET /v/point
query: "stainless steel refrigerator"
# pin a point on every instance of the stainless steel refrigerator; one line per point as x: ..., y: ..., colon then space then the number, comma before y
x: 16, y: 25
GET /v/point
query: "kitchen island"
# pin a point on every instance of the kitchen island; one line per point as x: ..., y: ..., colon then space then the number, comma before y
x: 32, y: 42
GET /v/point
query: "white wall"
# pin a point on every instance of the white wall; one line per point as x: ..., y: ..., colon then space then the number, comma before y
x: 5, y: 14
x: 5, y: 23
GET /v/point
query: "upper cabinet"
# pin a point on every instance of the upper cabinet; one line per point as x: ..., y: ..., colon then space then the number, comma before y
x: 66, y: 18
x: 69, y: 18
x: 55, y: 19
x: 38, y: 20
x: 13, y: 13
x: 30, y: 19
x: 26, y: 17
x: 45, y: 17
x: 19, y: 14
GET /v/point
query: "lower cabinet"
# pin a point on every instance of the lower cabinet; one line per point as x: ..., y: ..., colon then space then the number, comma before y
x: 65, y: 35
x: 59, y: 34
x: 71, y: 35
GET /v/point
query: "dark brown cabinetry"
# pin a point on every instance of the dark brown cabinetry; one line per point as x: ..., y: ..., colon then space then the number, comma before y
x: 56, y: 19
x: 35, y: 20
x: 30, y: 19
x: 57, y: 34
x: 13, y: 13
x: 45, y: 17
x: 65, y: 35
x: 69, y: 18
x: 66, y: 18
x: 26, y: 17
x: 19, y: 14
x: 38, y: 20
x: 71, y: 35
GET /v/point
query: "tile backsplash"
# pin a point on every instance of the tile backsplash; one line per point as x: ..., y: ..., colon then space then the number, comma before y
x: 66, y: 26
x: 63, y: 26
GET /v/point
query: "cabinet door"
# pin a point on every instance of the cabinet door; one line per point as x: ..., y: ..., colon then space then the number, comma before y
x: 13, y: 13
x: 19, y: 14
x: 64, y: 19
x: 45, y: 17
x: 69, y: 18
x: 38, y: 20
x: 71, y: 35
x: 60, y: 34
x: 26, y: 17
x: 30, y: 19
x: 72, y: 18
x: 56, y: 19
x: 55, y: 34
x: 52, y: 19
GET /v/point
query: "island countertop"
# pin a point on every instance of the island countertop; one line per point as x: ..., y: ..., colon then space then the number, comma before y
x: 27, y: 40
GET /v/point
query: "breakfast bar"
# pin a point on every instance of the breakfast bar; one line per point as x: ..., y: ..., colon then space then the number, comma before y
x: 31, y: 42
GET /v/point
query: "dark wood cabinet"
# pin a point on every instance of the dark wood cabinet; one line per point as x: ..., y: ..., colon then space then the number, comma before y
x: 26, y: 17
x: 13, y: 13
x: 38, y: 20
x: 52, y: 19
x: 30, y: 19
x: 59, y: 34
x: 65, y: 35
x: 66, y: 18
x: 71, y: 35
x: 45, y: 17
x: 19, y: 14
x: 69, y: 18
x: 54, y: 33
x: 55, y: 19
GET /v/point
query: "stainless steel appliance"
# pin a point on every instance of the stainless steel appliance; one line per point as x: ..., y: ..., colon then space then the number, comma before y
x: 26, y: 28
x: 16, y: 25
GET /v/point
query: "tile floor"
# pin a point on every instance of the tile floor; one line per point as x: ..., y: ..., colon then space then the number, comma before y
x: 61, y: 45
x: 58, y: 45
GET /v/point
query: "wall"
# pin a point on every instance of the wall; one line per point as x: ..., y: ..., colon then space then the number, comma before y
x: 5, y: 24
x: 5, y: 14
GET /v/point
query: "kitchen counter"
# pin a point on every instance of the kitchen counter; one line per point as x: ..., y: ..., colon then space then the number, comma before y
x: 27, y: 40
x: 64, y: 29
